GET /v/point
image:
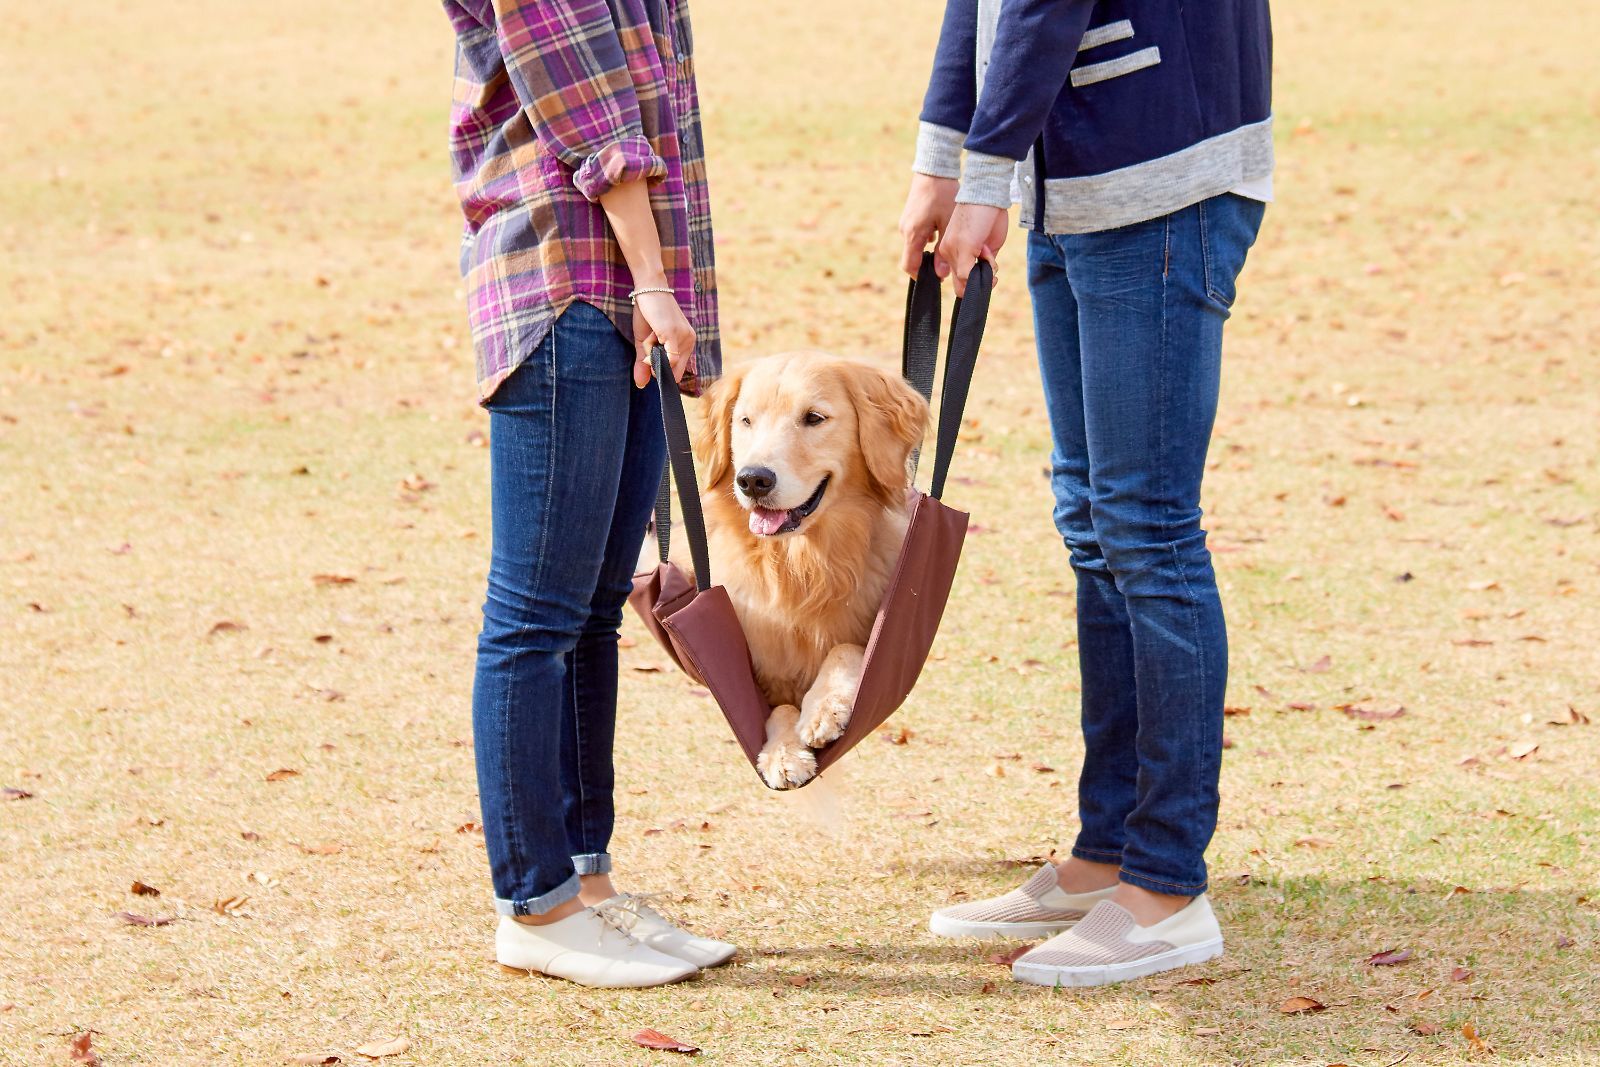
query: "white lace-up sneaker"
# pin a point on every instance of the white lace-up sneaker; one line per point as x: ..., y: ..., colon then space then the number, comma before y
x: 1038, y: 909
x: 633, y: 913
x: 1108, y: 946
x: 589, y: 949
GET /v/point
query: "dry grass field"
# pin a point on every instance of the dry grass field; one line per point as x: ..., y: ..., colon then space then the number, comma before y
x: 243, y: 519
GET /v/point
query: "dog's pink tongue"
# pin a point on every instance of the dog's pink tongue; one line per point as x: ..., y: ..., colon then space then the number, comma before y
x: 764, y: 522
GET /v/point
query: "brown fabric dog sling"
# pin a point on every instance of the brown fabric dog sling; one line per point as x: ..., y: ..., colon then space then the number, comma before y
x: 695, y: 621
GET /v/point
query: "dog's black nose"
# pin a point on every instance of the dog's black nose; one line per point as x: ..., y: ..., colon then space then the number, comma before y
x: 756, y: 482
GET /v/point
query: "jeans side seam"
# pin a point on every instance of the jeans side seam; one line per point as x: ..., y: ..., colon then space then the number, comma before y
x: 577, y: 744
x: 537, y: 585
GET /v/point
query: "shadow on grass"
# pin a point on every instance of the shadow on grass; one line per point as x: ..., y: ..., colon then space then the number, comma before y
x: 1516, y: 962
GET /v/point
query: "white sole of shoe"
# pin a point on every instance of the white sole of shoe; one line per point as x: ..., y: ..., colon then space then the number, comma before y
x: 1077, y: 977
x: 665, y: 979
x: 944, y: 926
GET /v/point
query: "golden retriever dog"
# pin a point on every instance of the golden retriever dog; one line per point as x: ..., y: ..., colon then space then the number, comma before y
x: 806, y: 503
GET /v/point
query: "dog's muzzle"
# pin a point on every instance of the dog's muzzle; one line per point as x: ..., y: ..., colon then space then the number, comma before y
x: 769, y: 522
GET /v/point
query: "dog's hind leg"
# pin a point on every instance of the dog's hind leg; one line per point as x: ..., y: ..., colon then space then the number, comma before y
x: 785, y: 761
x: 827, y: 706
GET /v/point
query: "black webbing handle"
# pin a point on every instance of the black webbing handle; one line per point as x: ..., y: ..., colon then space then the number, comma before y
x: 680, y: 467
x: 960, y: 361
x: 919, y: 352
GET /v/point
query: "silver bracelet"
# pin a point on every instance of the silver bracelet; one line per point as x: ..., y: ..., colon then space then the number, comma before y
x: 633, y: 297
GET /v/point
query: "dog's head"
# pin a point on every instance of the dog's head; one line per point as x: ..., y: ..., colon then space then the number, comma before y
x: 794, y: 436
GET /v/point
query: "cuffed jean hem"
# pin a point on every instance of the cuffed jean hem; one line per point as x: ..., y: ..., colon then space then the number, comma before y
x: 1157, y: 885
x: 593, y: 863
x: 1096, y: 855
x: 540, y: 904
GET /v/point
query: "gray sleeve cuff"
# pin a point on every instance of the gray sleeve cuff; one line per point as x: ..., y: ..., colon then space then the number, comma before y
x: 938, y: 151
x: 987, y: 180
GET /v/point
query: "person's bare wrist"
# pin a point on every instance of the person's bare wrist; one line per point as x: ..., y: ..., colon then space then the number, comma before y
x: 651, y: 278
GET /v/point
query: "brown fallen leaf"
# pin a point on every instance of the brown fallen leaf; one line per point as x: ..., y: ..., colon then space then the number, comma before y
x: 1389, y: 957
x: 1522, y: 749
x: 249, y: 835
x: 899, y: 737
x: 1299, y: 1005
x: 1006, y: 959
x: 1425, y: 1028
x: 1322, y: 666
x: 139, y: 889
x: 799, y: 981
x: 376, y: 1050
x: 1483, y: 586
x: 230, y: 907
x: 1301, y: 705
x: 330, y: 849
x: 1235, y: 712
x: 11, y: 792
x: 332, y: 579
x: 657, y: 1040
x: 469, y: 828
x: 226, y: 626
x: 316, y: 1058
x: 281, y: 774
x: 143, y: 920
x: 647, y: 668
x: 79, y: 1050
x: 1563, y: 941
x: 1573, y: 717
x: 1314, y: 842
x: 1470, y: 1032
x: 1207, y: 1031
x: 1460, y: 974
x: 1355, y: 711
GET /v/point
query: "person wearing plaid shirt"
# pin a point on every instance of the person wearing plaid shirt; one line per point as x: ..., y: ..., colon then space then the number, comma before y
x: 577, y: 156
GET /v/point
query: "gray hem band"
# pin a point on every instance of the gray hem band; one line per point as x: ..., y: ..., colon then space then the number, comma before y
x: 1156, y: 188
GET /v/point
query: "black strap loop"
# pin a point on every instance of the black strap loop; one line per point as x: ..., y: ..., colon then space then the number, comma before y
x: 919, y: 352
x: 960, y: 361
x: 680, y: 467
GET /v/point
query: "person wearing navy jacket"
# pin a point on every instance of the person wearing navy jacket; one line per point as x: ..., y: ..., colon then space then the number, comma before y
x: 1136, y: 135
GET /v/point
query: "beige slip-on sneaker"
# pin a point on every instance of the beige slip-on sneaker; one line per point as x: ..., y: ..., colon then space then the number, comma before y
x: 1108, y: 946
x: 1038, y: 909
x: 633, y: 913
x: 588, y: 949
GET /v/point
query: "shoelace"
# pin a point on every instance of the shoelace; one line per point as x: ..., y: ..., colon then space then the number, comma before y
x: 622, y: 916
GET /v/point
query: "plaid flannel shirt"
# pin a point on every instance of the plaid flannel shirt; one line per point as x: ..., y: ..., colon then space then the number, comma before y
x: 555, y: 103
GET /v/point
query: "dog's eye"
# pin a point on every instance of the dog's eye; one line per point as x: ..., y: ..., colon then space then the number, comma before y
x: 815, y: 418
x: 745, y: 421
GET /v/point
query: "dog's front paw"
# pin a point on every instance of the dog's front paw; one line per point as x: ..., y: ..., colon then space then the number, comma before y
x: 785, y: 762
x: 824, y: 721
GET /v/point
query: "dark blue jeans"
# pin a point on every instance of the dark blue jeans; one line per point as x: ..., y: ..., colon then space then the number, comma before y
x: 1129, y: 326
x: 575, y: 454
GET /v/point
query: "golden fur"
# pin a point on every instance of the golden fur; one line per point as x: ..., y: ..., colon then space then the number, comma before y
x: 807, y: 598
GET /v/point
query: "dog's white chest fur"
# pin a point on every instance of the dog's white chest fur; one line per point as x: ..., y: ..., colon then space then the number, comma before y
x: 790, y: 635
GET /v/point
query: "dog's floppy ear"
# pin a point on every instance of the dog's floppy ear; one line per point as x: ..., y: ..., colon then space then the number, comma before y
x: 891, y: 418
x: 713, y: 439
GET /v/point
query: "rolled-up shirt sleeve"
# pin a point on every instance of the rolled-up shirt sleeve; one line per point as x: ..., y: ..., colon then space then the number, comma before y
x: 571, y: 74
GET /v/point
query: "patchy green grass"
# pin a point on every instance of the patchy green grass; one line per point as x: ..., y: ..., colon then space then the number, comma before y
x: 233, y: 357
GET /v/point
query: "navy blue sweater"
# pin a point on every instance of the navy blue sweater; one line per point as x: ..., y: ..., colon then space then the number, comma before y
x: 1125, y: 106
